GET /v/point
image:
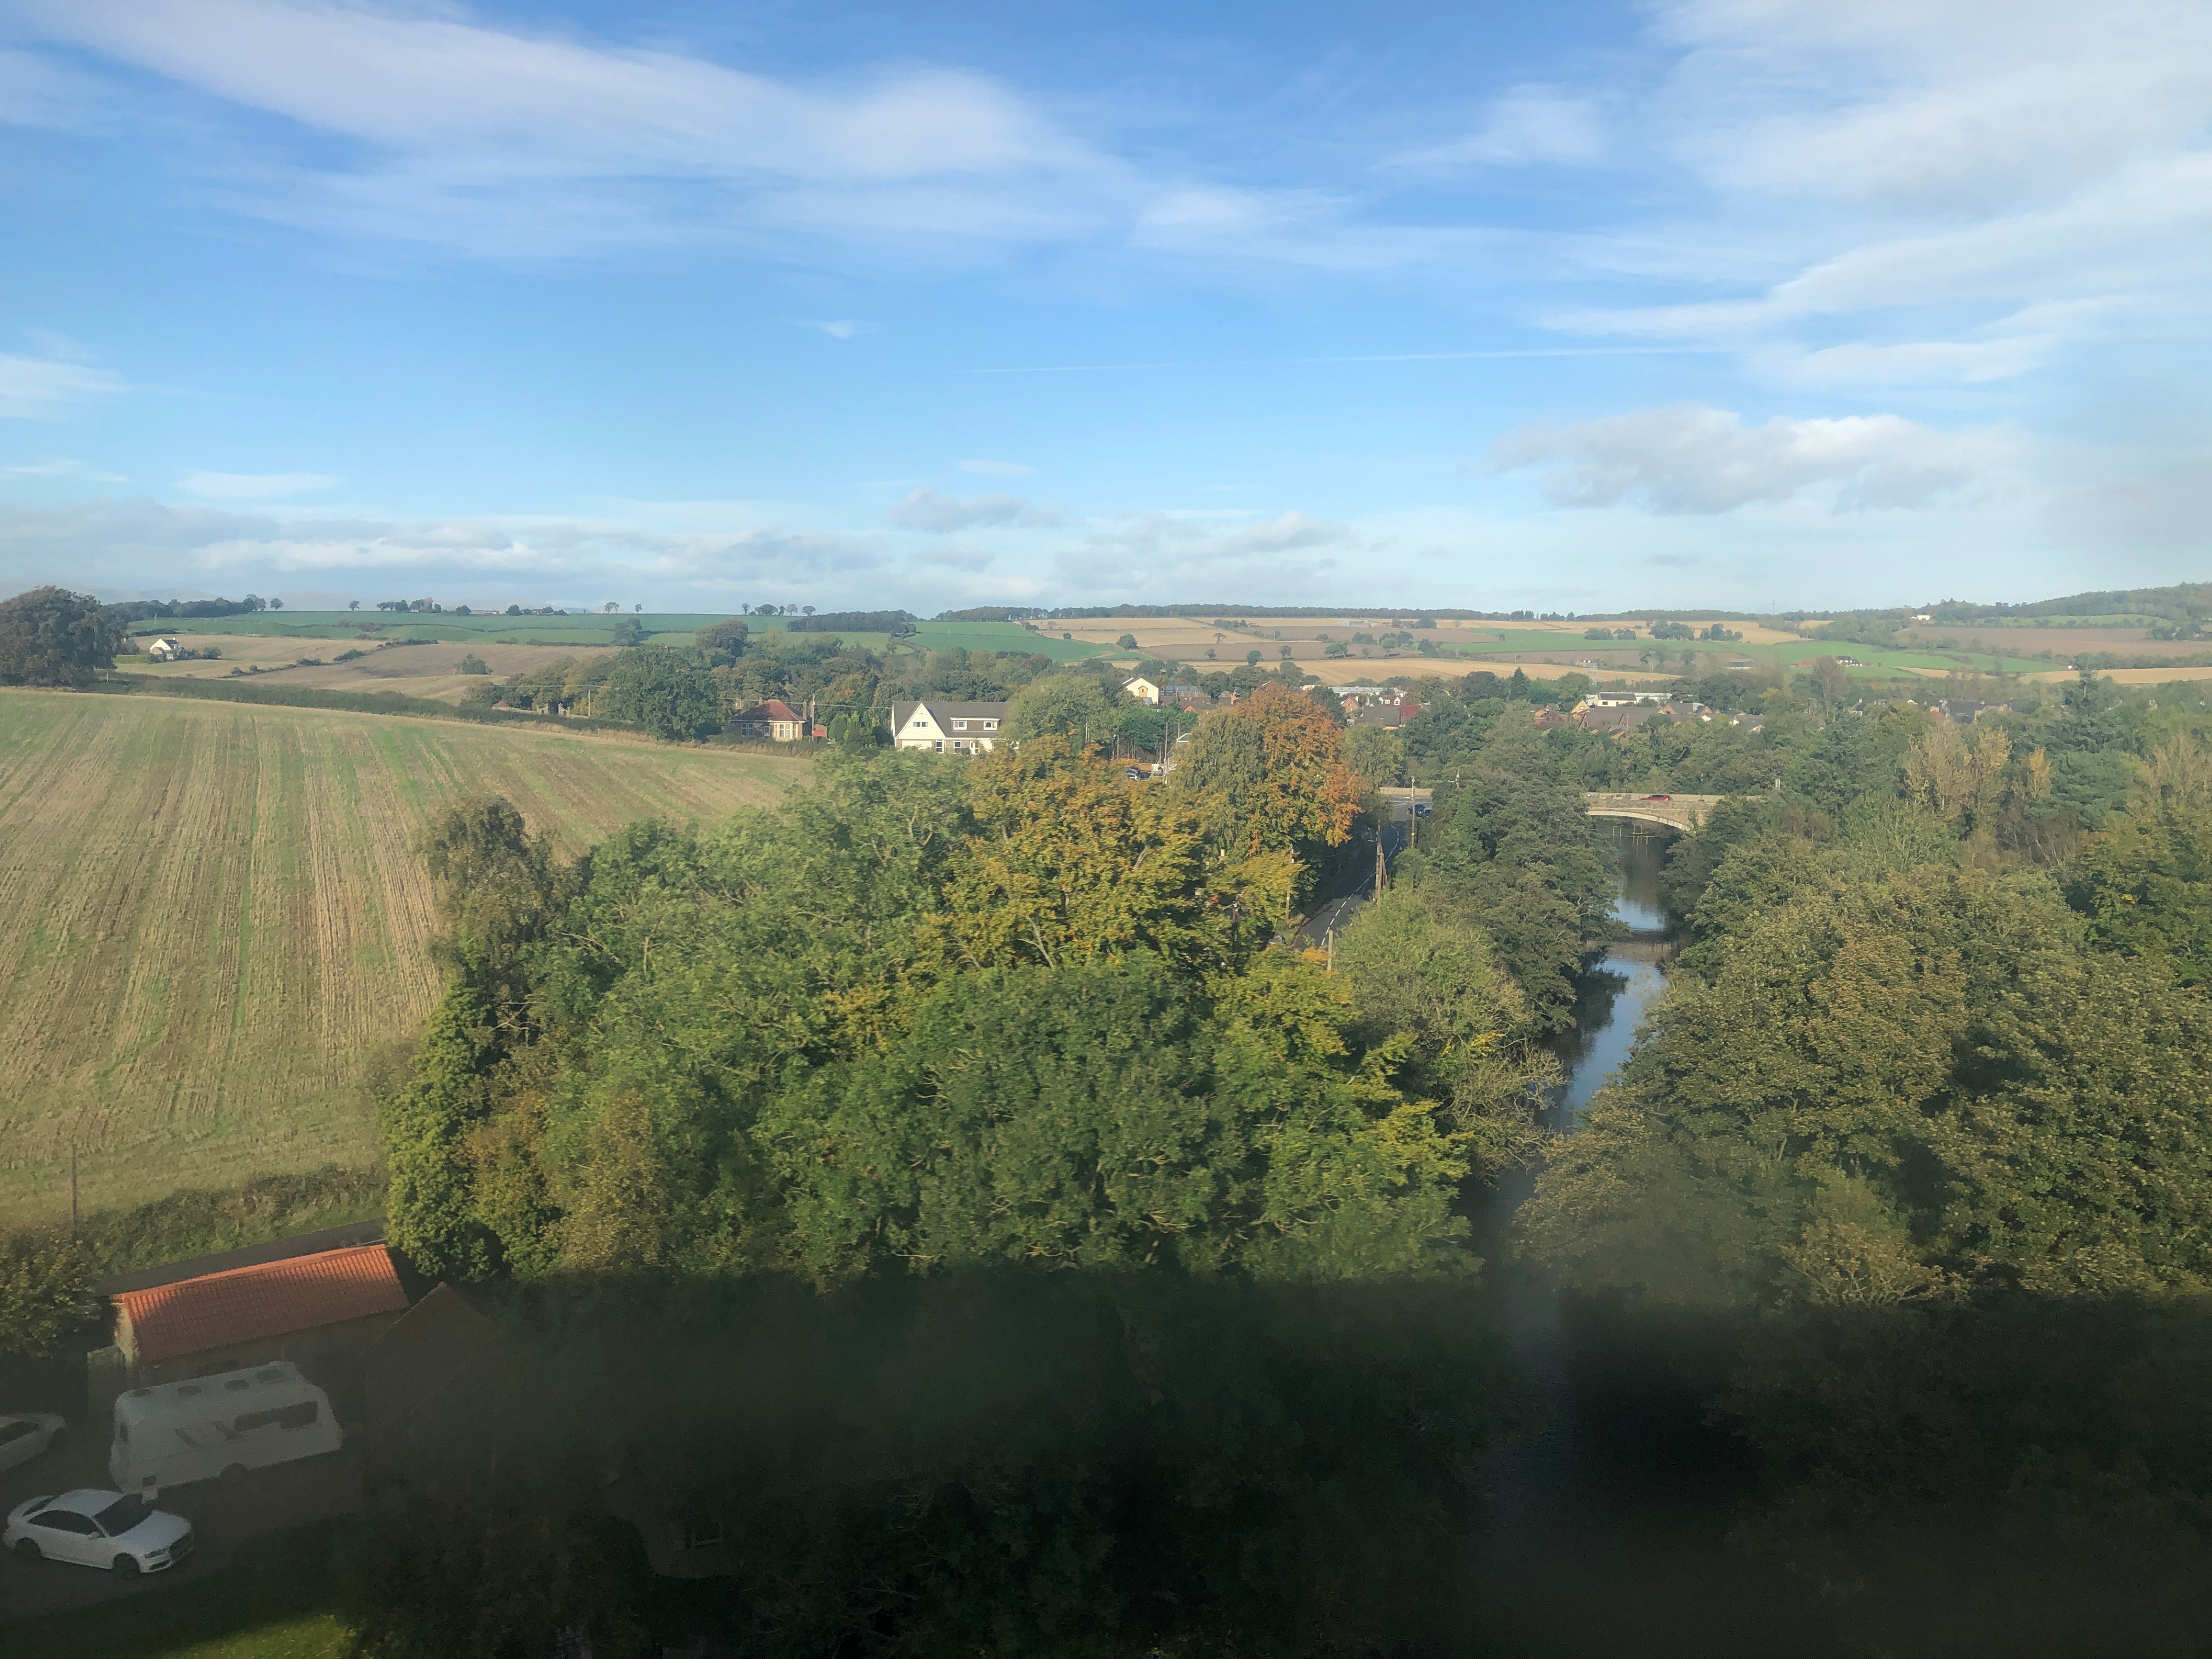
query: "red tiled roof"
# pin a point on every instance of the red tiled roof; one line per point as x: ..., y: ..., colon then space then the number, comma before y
x: 775, y: 709
x: 274, y: 1299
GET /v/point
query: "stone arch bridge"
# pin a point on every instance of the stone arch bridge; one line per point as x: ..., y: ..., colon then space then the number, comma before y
x: 1675, y: 811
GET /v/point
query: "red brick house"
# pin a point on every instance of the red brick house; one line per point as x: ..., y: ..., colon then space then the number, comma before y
x: 774, y: 720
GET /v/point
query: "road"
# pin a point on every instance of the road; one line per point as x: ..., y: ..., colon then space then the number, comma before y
x: 223, y: 1515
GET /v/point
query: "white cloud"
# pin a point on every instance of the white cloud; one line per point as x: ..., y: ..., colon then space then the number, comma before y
x: 998, y: 469
x: 255, y: 486
x: 504, y: 143
x: 411, y: 80
x: 1158, y: 551
x: 1935, y: 106
x: 1314, y: 229
x: 925, y: 509
x: 1689, y: 459
x: 1529, y: 124
x: 1927, y: 193
x: 46, y: 389
x: 137, y: 544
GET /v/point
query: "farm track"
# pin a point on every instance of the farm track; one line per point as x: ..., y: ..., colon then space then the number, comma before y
x: 212, y: 919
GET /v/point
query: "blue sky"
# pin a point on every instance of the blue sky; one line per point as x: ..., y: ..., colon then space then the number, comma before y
x: 1727, y: 302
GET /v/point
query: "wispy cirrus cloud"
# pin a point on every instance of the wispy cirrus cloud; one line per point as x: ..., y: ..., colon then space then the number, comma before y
x: 1528, y: 125
x: 61, y: 468
x: 49, y: 388
x: 499, y: 140
x: 1992, y: 198
x: 255, y: 486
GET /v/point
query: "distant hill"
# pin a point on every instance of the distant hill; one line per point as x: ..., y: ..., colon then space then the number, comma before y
x: 2183, y: 602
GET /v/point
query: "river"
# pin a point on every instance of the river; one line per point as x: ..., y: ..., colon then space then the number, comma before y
x: 1607, y: 1511
x: 1618, y: 988
x: 1536, y: 1480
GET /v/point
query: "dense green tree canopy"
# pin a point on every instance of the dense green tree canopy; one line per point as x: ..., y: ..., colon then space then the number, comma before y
x: 669, y: 693
x: 732, y: 1040
x: 50, y: 636
x: 1074, y: 705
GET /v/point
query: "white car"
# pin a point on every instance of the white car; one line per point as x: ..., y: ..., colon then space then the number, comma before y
x: 22, y: 1438
x: 110, y: 1529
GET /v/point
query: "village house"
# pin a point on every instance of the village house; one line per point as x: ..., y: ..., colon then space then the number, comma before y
x: 1143, y: 691
x: 947, y: 728
x: 167, y: 649
x: 774, y: 720
x: 1617, y: 720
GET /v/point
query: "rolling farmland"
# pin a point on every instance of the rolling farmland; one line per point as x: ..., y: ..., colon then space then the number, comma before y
x: 212, y: 922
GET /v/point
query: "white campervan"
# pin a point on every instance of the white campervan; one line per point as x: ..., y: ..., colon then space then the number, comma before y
x: 225, y: 1424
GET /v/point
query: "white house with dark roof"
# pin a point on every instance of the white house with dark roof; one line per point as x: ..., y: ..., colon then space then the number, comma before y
x: 947, y: 728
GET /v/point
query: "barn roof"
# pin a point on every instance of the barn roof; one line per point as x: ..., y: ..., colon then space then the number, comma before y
x: 245, y: 1304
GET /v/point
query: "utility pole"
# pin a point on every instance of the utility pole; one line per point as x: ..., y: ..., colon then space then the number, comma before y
x: 1381, y: 869
x: 72, y: 1193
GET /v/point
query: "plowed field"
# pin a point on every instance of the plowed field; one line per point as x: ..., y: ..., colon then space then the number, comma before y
x: 212, y: 921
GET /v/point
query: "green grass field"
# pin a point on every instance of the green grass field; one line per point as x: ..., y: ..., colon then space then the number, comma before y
x: 212, y: 920
x: 1004, y: 636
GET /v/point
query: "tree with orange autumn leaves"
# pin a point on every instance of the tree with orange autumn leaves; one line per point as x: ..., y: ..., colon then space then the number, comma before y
x: 1267, y: 775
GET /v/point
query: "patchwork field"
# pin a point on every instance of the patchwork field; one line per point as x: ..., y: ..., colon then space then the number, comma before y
x: 414, y: 671
x: 1540, y: 647
x: 2135, y: 676
x: 212, y: 922
x: 595, y: 629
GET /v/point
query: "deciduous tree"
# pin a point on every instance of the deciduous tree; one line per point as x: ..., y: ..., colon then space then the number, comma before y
x: 1268, y: 774
x: 50, y: 636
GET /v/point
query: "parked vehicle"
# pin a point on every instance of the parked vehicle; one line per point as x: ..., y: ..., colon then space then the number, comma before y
x: 223, y: 1425
x: 23, y: 1437
x: 110, y: 1529
x: 1658, y: 798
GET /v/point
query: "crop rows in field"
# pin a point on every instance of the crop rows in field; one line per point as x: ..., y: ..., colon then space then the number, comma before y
x: 212, y: 919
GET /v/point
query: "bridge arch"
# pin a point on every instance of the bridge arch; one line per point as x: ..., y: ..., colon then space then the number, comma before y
x: 1677, y: 812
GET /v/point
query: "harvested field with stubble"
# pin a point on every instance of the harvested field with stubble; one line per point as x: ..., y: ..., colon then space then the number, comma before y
x: 213, y: 923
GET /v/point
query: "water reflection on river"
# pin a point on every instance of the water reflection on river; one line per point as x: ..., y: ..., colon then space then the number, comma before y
x: 1618, y: 988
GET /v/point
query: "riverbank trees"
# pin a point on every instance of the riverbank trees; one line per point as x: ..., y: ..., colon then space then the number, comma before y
x: 1918, y: 1139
